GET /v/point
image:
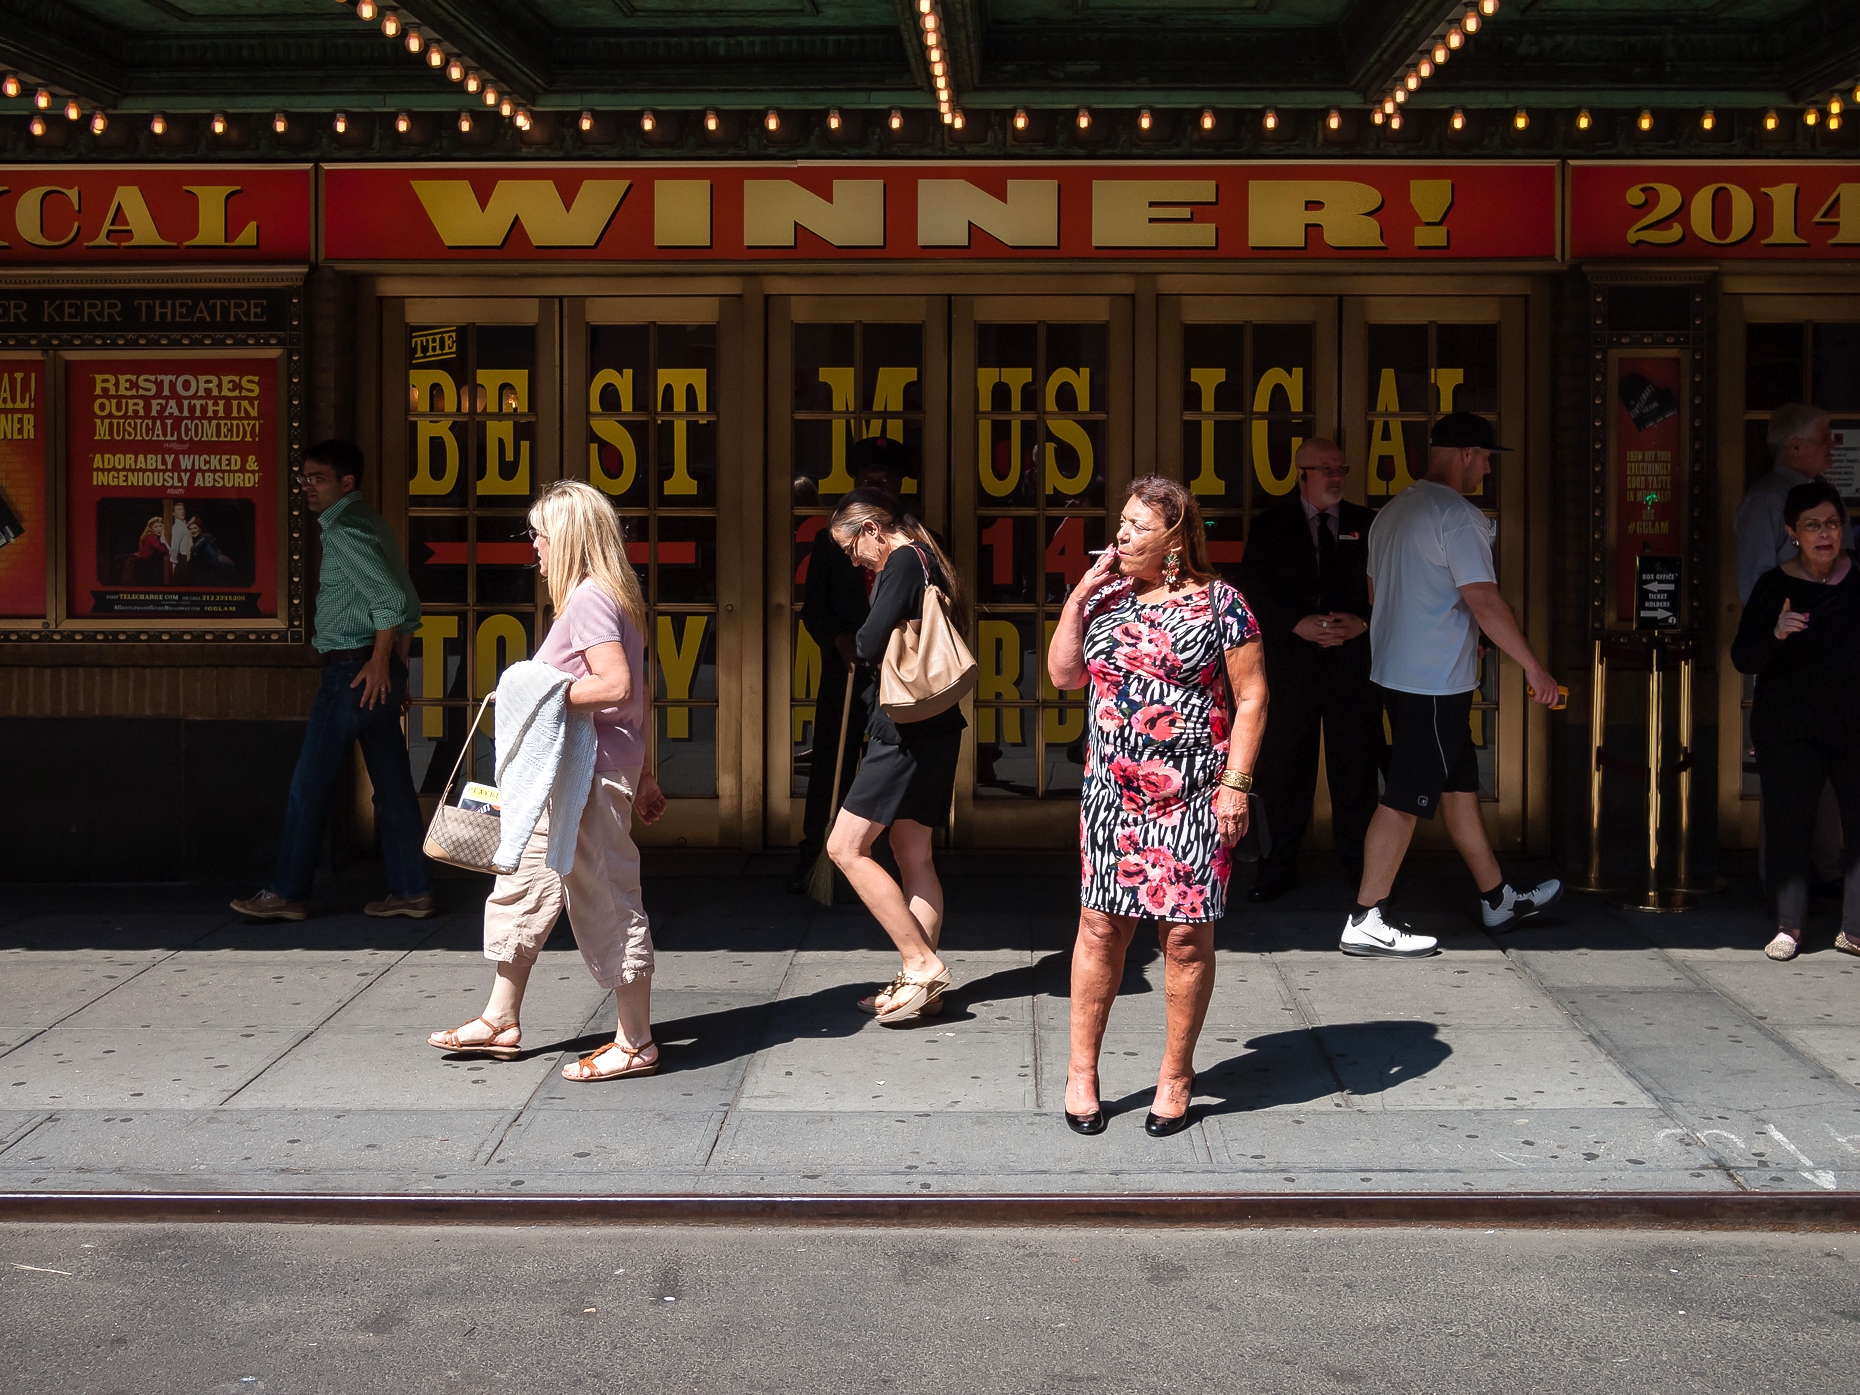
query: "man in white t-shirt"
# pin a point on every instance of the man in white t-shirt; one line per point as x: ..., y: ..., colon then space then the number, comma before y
x: 1434, y: 587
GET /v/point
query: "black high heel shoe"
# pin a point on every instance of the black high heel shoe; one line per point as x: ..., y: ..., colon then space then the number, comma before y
x: 1158, y: 1127
x: 1087, y: 1124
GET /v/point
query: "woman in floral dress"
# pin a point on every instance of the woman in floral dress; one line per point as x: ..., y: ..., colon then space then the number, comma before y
x: 1178, y: 706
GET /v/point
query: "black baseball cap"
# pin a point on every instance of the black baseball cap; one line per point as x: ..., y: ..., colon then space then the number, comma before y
x: 1457, y: 430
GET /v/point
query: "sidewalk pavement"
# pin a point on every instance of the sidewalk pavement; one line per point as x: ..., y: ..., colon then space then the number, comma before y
x: 151, y: 1041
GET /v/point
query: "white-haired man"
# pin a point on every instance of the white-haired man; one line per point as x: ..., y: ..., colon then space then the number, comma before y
x: 1801, y: 443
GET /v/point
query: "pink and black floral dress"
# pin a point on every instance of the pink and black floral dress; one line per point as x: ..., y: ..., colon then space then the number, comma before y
x: 1160, y: 714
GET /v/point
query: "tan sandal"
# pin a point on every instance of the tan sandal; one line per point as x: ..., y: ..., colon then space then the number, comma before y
x: 583, y: 1070
x: 509, y: 1051
x: 1783, y: 946
x: 869, y: 1004
x: 909, y: 997
x: 1846, y: 943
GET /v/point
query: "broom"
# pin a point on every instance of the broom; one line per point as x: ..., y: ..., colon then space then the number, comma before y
x: 820, y: 880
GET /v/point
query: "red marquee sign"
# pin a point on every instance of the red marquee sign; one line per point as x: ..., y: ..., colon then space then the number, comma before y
x: 138, y: 215
x: 1375, y: 211
x: 1715, y: 211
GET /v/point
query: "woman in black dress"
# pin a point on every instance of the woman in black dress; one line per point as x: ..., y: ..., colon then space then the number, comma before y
x: 1801, y: 636
x: 909, y: 772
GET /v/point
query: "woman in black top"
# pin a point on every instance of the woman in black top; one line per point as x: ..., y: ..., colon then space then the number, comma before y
x: 909, y: 772
x: 1801, y: 636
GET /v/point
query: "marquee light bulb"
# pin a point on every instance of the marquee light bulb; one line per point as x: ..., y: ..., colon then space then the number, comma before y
x: 1412, y: 80
x: 1811, y: 117
x: 473, y: 83
x: 280, y: 122
x: 930, y: 25
x: 435, y: 56
x: 771, y: 120
x: 1395, y: 122
x: 455, y: 71
x: 1334, y: 120
x: 1084, y: 118
x: 925, y: 6
x: 1470, y: 23
x: 1458, y: 119
x: 1440, y: 53
x: 1835, y: 106
x: 648, y: 122
x: 1425, y: 67
x: 1455, y: 39
x: 366, y: 9
x: 935, y: 55
x: 1646, y: 119
x: 97, y: 123
x: 1378, y: 116
x: 36, y: 125
x: 896, y: 120
x: 1401, y: 94
x: 158, y: 124
x: 1769, y: 119
x: 710, y: 119
x: 42, y: 100
x: 219, y: 123
x: 956, y: 120
x: 10, y: 85
x: 464, y: 122
x: 1834, y: 123
x: 1584, y: 120
x: 1144, y: 120
x: 833, y: 118
x: 1270, y: 120
x: 524, y: 120
x: 1488, y: 7
x: 415, y: 41
x: 1521, y: 119
x: 73, y: 111
x: 403, y: 122
x: 586, y: 121
x: 490, y: 96
x: 1020, y: 118
x: 341, y: 122
x: 1207, y: 118
x: 1388, y: 106
x: 390, y: 24
x: 506, y: 108
x: 1708, y: 119
x: 938, y: 69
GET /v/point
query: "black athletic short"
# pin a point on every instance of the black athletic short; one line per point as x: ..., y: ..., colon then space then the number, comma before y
x: 1432, y: 752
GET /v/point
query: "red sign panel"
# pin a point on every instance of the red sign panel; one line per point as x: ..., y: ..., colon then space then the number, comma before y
x: 1755, y: 210
x: 1380, y: 211
x: 23, y: 514
x: 142, y: 215
x: 1648, y: 509
x: 173, y: 485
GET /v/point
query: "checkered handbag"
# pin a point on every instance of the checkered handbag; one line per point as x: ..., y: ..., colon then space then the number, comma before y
x: 463, y: 837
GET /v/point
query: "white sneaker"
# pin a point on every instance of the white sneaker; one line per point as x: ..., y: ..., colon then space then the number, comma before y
x: 1374, y: 936
x: 1520, y: 905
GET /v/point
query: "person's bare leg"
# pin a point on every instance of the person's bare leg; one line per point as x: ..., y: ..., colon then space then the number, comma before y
x: 1384, y: 846
x: 1460, y: 811
x: 634, y: 1001
x: 923, y: 893
x: 1097, y: 969
x: 502, y: 1011
x: 1188, y: 984
x: 850, y: 847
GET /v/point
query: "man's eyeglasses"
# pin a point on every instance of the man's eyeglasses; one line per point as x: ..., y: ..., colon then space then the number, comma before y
x: 1335, y: 472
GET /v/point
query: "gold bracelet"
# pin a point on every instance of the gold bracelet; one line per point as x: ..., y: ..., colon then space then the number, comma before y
x: 1237, y: 780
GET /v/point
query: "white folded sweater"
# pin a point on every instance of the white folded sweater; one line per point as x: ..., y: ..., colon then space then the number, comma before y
x: 545, y: 756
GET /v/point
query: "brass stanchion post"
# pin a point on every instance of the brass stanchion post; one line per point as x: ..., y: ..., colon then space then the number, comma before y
x: 1598, y: 728
x: 1684, y: 878
x: 1653, y: 898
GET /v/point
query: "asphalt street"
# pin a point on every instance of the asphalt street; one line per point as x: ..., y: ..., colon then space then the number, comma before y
x: 290, y: 1310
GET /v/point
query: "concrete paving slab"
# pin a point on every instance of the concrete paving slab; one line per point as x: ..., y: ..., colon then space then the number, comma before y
x: 189, y: 989
x: 125, y: 931
x: 133, y: 1067
x: 1248, y: 996
x: 431, y: 990
x: 612, y: 1148
x: 252, y: 1149
x: 1837, y: 1048
x: 1282, y: 1070
x: 933, y: 1067
x: 706, y: 1042
x: 1392, y: 1064
x: 732, y: 970
x: 1811, y: 990
x: 376, y: 1069
x: 38, y: 988
x: 349, y: 933
x: 1635, y: 965
x: 1469, y: 989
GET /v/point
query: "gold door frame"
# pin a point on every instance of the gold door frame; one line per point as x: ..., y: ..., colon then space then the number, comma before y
x: 1037, y: 823
x: 782, y: 810
x: 1746, y: 299
x: 1522, y: 807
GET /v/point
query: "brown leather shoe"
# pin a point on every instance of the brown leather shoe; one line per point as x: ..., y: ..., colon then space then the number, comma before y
x: 268, y: 905
x: 413, y: 907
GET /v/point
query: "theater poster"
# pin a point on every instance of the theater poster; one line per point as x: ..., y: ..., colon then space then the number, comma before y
x: 23, y: 421
x: 173, y: 484
x: 1649, y: 460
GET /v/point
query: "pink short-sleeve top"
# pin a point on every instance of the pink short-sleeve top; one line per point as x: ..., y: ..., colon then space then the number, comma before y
x: 593, y: 617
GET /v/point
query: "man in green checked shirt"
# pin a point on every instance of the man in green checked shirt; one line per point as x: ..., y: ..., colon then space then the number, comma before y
x: 366, y: 613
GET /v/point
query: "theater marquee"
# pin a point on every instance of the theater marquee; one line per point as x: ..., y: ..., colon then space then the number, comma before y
x: 1382, y: 211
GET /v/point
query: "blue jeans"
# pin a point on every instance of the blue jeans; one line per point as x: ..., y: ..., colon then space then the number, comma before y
x: 337, y: 720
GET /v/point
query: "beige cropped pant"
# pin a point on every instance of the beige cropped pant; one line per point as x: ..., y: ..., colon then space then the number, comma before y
x: 602, y: 892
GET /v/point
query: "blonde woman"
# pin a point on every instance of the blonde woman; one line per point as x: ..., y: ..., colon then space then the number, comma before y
x: 909, y: 772
x: 598, y: 637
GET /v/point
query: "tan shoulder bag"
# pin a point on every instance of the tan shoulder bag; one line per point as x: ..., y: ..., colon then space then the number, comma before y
x: 464, y: 837
x: 927, y: 667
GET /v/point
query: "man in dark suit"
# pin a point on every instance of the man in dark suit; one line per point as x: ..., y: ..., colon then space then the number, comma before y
x: 1305, y: 576
x: 833, y: 609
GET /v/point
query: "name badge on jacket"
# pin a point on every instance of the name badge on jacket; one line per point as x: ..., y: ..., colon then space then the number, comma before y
x: 1350, y: 537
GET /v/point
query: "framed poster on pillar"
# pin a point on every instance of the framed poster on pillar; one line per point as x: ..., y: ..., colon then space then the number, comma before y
x: 1649, y: 558
x: 25, y: 492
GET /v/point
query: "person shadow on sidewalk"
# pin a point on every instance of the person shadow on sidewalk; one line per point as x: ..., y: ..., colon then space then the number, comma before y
x: 1311, y: 1064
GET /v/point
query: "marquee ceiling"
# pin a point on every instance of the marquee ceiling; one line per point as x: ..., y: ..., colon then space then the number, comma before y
x: 616, y: 58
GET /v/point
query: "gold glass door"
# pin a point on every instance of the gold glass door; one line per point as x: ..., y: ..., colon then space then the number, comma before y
x: 1406, y: 362
x: 840, y: 368
x: 1041, y: 401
